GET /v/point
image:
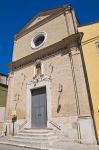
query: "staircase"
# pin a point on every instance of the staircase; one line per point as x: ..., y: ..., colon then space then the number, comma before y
x: 34, y: 138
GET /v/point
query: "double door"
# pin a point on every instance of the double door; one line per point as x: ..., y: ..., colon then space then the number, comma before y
x: 39, y: 108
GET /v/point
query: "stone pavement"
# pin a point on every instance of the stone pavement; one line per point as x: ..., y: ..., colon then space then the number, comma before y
x: 8, y: 147
x: 4, y: 145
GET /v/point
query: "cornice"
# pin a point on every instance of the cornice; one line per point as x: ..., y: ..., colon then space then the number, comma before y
x: 48, y: 51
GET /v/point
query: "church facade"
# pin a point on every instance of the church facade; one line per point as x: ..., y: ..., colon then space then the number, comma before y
x: 47, y: 87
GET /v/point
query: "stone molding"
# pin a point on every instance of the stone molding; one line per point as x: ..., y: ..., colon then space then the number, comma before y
x: 34, y: 84
x: 58, y: 47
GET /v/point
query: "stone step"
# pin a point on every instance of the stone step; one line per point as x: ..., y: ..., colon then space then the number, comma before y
x: 30, y: 146
x: 35, y: 137
x: 34, y: 143
x: 37, y: 130
x: 26, y: 141
x: 34, y: 134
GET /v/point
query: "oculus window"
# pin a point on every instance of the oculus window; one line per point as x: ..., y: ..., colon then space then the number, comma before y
x: 38, y: 40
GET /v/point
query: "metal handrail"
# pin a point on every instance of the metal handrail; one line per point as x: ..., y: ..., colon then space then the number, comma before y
x: 21, y: 126
x: 55, y: 124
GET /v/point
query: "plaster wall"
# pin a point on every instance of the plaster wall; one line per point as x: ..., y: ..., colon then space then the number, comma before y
x: 91, y: 58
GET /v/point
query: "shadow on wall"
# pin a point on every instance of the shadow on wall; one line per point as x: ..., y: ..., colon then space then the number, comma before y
x: 60, y: 90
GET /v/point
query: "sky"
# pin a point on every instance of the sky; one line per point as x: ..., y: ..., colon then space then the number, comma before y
x: 14, y: 14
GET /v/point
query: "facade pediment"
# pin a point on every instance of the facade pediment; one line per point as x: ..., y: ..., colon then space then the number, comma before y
x: 46, y: 29
x: 34, y: 21
x: 40, y: 17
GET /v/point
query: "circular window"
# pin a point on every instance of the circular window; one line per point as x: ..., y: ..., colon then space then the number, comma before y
x: 38, y: 40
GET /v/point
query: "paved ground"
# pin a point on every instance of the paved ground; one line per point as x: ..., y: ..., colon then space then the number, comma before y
x: 68, y: 146
x: 76, y: 146
x: 7, y: 147
x: 62, y: 146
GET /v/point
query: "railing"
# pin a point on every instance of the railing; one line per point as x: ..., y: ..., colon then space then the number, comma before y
x: 55, y: 124
x: 22, y: 125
